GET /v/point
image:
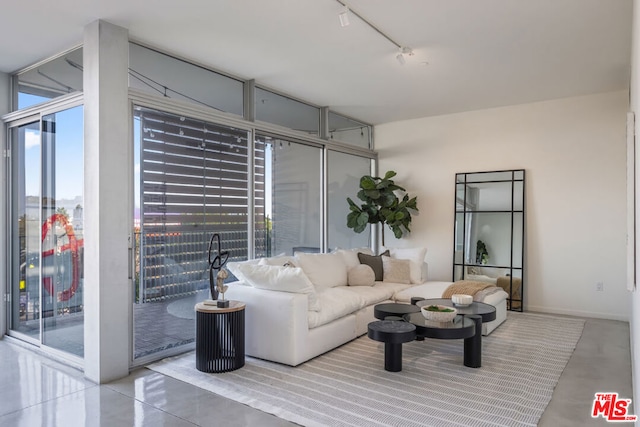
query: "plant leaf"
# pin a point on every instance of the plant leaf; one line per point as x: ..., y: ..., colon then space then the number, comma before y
x: 363, y: 218
x: 372, y: 194
x: 367, y: 183
x: 389, y: 174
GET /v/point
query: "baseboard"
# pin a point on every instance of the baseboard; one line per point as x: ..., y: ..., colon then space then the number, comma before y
x: 579, y: 313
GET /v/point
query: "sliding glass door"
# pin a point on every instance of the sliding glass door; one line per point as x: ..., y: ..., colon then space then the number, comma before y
x: 192, y: 179
x: 46, y: 222
x: 25, y: 230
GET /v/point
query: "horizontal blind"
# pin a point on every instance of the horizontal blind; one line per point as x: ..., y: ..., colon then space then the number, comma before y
x: 194, y: 182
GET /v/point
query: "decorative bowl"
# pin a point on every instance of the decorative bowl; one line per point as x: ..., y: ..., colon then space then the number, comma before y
x: 461, y: 300
x: 438, y: 313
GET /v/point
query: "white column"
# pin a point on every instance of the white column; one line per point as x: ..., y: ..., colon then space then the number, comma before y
x: 107, y: 157
x: 4, y: 109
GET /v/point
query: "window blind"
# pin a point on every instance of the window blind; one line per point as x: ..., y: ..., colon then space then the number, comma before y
x: 194, y: 181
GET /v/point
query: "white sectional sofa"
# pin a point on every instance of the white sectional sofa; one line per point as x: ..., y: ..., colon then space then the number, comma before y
x: 300, y: 307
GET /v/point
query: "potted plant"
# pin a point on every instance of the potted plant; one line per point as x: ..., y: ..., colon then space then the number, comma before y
x: 381, y: 204
x: 482, y: 254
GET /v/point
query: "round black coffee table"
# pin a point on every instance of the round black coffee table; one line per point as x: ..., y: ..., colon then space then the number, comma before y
x: 382, y: 311
x: 463, y: 327
x: 392, y: 333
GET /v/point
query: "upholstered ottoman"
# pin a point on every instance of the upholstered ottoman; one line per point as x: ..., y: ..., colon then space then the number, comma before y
x: 496, y: 297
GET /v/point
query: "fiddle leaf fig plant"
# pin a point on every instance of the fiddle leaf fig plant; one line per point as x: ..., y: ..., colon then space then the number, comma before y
x: 381, y: 204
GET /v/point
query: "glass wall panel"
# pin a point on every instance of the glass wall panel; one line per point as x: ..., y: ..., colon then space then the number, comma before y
x: 62, y: 231
x: 345, y: 171
x: 164, y: 75
x: 283, y: 111
x: 47, y: 174
x: 347, y: 130
x: 25, y: 229
x: 292, y: 198
x: 193, y: 182
x: 52, y: 79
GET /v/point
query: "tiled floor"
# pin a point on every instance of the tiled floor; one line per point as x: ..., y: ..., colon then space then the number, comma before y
x: 36, y: 391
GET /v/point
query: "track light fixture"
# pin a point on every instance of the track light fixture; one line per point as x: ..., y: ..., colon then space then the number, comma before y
x: 344, y: 21
x: 344, y: 17
x: 404, y: 51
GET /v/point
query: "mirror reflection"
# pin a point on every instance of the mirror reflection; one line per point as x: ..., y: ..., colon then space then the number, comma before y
x: 489, y: 230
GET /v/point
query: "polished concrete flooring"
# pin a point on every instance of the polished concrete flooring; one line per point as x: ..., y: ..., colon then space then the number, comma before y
x: 36, y: 391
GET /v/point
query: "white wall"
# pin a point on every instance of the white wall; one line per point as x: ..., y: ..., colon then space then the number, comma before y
x: 573, y: 151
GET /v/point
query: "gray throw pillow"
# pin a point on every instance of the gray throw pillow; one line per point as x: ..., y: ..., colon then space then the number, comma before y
x: 375, y: 262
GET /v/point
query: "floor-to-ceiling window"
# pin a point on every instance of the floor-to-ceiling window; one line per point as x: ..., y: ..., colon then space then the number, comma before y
x: 193, y: 179
x: 344, y: 173
x: 290, y: 218
x: 46, y: 218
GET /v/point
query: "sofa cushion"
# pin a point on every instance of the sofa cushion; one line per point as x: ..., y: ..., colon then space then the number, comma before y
x: 427, y: 290
x: 415, y: 256
x: 396, y: 270
x: 279, y: 278
x: 371, y: 294
x: 361, y: 275
x: 334, y: 304
x: 375, y: 262
x: 324, y: 270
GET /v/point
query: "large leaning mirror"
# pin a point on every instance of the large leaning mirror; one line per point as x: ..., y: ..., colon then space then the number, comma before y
x: 489, y: 231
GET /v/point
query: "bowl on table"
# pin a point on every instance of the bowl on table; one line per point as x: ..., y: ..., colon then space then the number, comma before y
x: 438, y: 313
x: 461, y: 300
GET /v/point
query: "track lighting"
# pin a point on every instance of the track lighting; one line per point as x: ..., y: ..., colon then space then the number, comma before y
x: 404, y: 51
x: 344, y: 17
x: 344, y: 21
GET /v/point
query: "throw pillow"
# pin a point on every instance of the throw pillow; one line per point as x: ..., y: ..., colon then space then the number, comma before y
x: 361, y: 275
x: 416, y: 256
x: 232, y: 266
x: 375, y: 262
x: 277, y: 260
x: 396, y: 270
x: 324, y: 270
x: 280, y: 278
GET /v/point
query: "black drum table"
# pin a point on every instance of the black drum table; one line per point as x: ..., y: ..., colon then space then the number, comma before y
x: 219, y: 336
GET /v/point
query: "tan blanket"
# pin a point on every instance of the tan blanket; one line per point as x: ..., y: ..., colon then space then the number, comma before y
x: 466, y: 287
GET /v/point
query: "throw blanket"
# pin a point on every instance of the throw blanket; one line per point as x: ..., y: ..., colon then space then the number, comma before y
x: 467, y: 287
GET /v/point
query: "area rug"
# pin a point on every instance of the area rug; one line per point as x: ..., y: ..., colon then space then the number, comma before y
x: 522, y: 361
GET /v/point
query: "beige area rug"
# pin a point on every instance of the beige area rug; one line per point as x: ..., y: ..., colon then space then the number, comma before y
x: 521, y: 363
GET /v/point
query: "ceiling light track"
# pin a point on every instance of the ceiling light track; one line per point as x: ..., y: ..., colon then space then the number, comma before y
x: 344, y: 21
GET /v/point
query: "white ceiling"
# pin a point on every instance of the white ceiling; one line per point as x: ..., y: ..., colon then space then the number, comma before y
x: 481, y: 53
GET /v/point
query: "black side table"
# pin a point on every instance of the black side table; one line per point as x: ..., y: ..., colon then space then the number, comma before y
x: 392, y: 333
x: 219, y: 337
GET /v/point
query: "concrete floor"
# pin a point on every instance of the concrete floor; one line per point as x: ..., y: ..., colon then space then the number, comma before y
x: 38, y: 391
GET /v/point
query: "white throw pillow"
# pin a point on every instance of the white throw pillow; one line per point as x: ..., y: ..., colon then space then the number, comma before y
x: 361, y: 275
x: 396, y: 270
x: 416, y: 256
x: 279, y: 260
x: 232, y: 266
x: 324, y: 270
x: 279, y: 278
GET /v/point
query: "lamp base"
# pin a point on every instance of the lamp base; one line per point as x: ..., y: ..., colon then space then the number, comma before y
x: 223, y: 303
